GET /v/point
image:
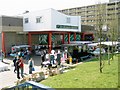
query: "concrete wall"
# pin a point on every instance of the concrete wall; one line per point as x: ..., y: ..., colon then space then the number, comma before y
x: 0, y: 41
x: 113, y: 0
x: 0, y: 24
x: 86, y: 28
x: 12, y: 29
x: 11, y: 24
x: 12, y: 21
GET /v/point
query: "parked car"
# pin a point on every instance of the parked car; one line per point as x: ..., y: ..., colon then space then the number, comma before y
x: 96, y: 52
x: 22, y: 48
x: 39, y: 52
x: 19, y: 47
x: 117, y: 48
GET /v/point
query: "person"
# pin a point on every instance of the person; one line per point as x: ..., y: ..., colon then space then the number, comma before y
x: 46, y: 61
x: 47, y: 57
x: 2, y: 55
x: 58, y: 57
x: 21, y: 64
x: 31, y: 65
x: 43, y: 56
x: 27, y: 54
x: 14, y: 61
x: 17, y: 68
x: 19, y: 53
x: 52, y: 57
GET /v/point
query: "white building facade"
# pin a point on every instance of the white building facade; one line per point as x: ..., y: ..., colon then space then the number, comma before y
x: 50, y: 20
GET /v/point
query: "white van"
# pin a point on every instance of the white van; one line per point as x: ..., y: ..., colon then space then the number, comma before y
x: 19, y: 47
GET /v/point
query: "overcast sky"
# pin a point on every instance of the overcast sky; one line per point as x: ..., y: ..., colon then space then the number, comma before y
x: 16, y: 7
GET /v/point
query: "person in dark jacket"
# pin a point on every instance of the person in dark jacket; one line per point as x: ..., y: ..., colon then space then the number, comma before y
x: 2, y: 55
x: 17, y: 68
x: 14, y: 61
x: 43, y: 56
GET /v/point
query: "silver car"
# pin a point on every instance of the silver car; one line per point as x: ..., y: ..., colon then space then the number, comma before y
x: 96, y: 52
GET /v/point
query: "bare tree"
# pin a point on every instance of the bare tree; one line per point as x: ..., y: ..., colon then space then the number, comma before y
x: 100, y: 17
x: 113, y: 30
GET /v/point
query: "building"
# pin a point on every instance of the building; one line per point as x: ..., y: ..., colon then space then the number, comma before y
x: 45, y: 27
x: 11, y: 32
x: 51, y: 27
x: 114, y: 0
x: 107, y: 14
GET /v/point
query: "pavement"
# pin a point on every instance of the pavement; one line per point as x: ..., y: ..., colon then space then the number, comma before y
x: 8, y: 78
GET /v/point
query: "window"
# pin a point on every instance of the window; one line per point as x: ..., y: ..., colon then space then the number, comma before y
x: 68, y: 20
x: 26, y: 20
x: 38, y: 19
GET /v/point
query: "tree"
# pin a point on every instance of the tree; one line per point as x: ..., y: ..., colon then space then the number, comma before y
x: 113, y: 28
x: 100, y: 17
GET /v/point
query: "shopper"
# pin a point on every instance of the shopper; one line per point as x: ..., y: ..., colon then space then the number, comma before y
x: 31, y: 65
x: 52, y: 57
x: 43, y: 55
x: 17, y: 68
x: 58, y: 57
x: 14, y: 62
x: 28, y: 54
x: 2, y: 55
x: 21, y: 64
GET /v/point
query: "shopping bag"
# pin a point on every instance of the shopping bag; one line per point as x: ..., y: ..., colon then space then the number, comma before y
x: 33, y: 69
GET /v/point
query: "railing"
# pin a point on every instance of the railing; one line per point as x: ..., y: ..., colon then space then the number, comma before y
x: 30, y: 85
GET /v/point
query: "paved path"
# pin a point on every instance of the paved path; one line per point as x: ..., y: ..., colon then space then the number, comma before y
x: 8, y: 78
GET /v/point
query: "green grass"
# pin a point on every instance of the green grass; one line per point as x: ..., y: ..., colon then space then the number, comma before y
x: 87, y: 75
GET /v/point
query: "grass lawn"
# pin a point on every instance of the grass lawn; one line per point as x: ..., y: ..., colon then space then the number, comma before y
x: 87, y: 75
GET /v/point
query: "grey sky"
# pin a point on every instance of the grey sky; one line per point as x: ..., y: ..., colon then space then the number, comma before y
x: 16, y: 7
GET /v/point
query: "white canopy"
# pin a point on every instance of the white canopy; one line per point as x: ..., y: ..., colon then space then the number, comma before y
x: 110, y: 43
x: 93, y: 44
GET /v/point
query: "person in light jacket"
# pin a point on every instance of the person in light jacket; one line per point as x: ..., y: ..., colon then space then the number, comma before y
x: 31, y: 65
